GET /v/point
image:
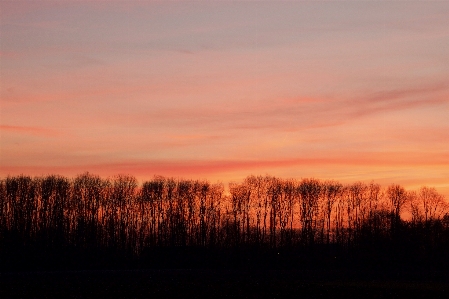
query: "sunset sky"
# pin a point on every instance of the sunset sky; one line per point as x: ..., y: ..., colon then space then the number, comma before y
x: 351, y: 91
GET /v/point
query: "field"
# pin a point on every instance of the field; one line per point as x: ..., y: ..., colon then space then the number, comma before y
x: 224, y: 284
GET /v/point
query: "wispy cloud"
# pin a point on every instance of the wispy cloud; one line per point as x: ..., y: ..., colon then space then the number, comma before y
x: 291, y: 114
x: 208, y: 167
x: 399, y: 99
x: 37, y: 131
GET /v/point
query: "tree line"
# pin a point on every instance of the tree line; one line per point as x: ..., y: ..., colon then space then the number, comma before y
x: 118, y: 213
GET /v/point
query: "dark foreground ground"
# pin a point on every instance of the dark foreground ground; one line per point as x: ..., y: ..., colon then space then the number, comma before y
x: 224, y: 284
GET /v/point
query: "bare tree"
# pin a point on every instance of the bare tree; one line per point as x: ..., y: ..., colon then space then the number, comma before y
x: 332, y: 192
x: 432, y: 203
x: 397, y: 197
x: 309, y: 190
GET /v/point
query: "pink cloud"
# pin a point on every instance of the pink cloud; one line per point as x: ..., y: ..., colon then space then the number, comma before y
x: 9, y: 54
x: 205, y: 167
x: 38, y: 131
x: 401, y: 99
x: 288, y: 114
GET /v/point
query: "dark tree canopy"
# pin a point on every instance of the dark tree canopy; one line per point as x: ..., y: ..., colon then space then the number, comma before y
x: 90, y: 215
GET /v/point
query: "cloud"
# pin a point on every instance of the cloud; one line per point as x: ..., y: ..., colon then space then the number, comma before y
x: 211, y: 167
x: 286, y: 114
x: 36, y: 131
x: 399, y: 99
x: 9, y: 54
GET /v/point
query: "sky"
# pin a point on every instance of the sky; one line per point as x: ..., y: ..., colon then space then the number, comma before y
x: 350, y: 91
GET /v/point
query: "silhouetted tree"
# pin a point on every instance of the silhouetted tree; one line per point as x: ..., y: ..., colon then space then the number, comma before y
x: 88, y: 213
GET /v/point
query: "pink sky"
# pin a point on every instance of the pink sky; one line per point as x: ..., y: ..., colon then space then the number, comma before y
x: 342, y: 90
